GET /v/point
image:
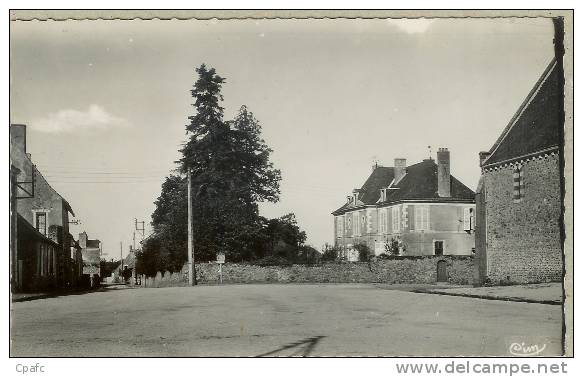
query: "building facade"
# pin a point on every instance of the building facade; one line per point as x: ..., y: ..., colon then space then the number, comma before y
x: 519, y: 217
x: 408, y: 210
x: 41, y: 244
x: 91, y: 253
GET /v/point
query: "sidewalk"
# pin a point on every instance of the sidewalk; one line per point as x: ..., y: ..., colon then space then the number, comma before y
x: 544, y: 293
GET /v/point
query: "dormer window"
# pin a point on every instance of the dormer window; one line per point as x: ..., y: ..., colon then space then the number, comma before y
x: 354, y: 198
x: 41, y: 220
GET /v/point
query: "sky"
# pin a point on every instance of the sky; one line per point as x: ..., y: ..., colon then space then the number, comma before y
x: 106, y: 103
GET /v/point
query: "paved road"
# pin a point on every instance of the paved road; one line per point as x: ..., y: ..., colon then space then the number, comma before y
x: 278, y: 320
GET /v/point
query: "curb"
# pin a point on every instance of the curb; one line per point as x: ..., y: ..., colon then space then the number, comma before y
x: 483, y: 297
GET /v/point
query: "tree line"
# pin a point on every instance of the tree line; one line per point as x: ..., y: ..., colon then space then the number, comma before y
x: 231, y: 173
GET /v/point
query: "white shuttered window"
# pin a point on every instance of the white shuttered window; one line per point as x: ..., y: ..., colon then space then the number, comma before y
x: 421, y: 218
x: 395, y: 217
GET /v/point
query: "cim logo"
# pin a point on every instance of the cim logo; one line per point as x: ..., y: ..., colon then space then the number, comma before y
x: 523, y: 349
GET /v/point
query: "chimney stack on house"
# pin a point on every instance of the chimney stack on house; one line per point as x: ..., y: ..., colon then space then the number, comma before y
x: 483, y: 157
x: 18, y: 136
x: 83, y: 240
x: 443, y: 173
x: 400, y: 169
x: 376, y: 165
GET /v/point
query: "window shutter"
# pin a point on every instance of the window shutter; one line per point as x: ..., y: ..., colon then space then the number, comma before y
x: 467, y: 222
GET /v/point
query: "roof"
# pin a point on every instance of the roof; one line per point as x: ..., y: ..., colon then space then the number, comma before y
x: 19, y: 153
x: 380, y: 177
x: 28, y: 231
x: 93, y: 244
x: 420, y: 183
x: 129, y: 260
x: 536, y: 126
x: 67, y: 205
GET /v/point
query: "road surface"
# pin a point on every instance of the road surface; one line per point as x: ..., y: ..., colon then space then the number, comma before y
x: 278, y: 320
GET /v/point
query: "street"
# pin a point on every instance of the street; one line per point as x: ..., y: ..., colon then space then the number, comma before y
x: 277, y: 320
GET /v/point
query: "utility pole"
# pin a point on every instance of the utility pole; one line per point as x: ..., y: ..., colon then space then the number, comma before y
x: 191, y: 269
x: 120, y: 256
x: 142, y: 230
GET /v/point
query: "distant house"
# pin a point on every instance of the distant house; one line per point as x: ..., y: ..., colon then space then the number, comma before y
x: 419, y: 209
x: 40, y: 246
x: 91, y: 252
x: 518, y: 234
x: 127, y: 268
x: 77, y: 262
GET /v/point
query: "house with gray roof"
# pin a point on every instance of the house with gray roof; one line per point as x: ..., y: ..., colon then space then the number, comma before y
x: 421, y: 208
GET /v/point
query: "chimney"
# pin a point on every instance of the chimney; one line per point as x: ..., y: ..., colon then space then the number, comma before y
x: 376, y: 165
x: 443, y: 175
x: 483, y: 157
x: 400, y: 169
x: 18, y: 136
x: 83, y: 240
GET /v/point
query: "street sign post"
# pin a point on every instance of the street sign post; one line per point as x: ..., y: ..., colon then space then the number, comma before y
x: 220, y: 261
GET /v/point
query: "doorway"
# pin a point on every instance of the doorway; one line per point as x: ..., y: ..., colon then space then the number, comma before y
x: 441, y: 271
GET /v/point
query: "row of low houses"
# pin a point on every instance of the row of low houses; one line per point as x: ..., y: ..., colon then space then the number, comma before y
x: 511, y: 225
x: 43, y: 253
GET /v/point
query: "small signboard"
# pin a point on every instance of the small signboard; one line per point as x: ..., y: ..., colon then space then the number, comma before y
x: 220, y: 258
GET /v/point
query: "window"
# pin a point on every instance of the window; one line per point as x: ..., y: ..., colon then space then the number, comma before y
x: 339, y: 226
x: 421, y: 218
x: 438, y: 247
x: 383, y: 220
x: 41, y: 222
x: 380, y: 221
x: 42, y: 260
x: 356, y: 224
x: 51, y: 258
x: 518, y: 178
x: 469, y: 220
x: 395, y: 218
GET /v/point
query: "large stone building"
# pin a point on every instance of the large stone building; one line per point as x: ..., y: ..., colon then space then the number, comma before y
x: 421, y: 208
x: 518, y: 224
x: 40, y: 239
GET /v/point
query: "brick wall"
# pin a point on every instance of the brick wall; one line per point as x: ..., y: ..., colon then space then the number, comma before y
x: 412, y: 270
x: 523, y: 239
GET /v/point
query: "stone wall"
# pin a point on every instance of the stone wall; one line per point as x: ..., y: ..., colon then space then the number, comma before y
x: 523, y: 243
x: 398, y: 270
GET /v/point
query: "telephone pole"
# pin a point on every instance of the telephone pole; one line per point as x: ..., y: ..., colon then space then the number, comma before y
x: 191, y: 269
x: 141, y: 230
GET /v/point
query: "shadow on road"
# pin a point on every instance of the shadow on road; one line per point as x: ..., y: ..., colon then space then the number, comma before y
x: 20, y: 297
x: 305, y: 347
